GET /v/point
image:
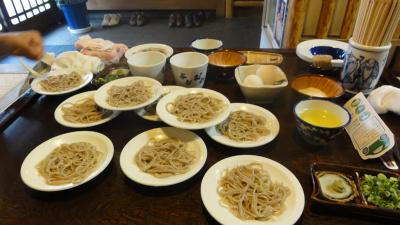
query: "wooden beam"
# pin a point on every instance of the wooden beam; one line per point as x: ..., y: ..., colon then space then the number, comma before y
x: 325, y: 18
x: 248, y: 3
x: 397, y: 32
x: 349, y: 19
x: 294, y: 23
x: 229, y: 9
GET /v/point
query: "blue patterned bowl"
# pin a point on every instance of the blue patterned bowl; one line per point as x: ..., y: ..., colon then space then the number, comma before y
x: 315, y: 134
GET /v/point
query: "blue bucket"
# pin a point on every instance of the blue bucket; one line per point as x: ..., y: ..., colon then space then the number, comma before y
x: 76, y: 15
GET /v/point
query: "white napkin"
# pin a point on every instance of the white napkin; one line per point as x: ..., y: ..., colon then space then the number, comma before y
x: 74, y: 59
x: 385, y: 98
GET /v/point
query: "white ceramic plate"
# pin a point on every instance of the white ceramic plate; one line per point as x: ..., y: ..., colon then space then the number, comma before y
x: 35, y: 85
x: 100, y: 96
x: 294, y: 204
x: 30, y: 176
x: 303, y: 49
x: 172, y: 119
x: 165, y: 49
x: 58, y: 114
x: 272, y: 125
x: 154, y: 117
x: 132, y: 171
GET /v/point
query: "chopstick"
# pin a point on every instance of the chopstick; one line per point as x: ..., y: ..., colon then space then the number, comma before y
x: 29, y: 69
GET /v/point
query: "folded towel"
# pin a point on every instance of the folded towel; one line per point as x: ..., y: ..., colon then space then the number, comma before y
x: 74, y: 59
x: 385, y: 98
x: 106, y: 50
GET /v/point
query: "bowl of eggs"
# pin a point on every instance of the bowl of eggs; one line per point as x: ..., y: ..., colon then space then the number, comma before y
x: 260, y: 84
x: 319, y: 121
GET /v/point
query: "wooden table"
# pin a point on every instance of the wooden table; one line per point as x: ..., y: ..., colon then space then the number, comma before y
x: 111, y: 198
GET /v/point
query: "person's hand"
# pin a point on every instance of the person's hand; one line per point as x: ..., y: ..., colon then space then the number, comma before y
x: 27, y: 43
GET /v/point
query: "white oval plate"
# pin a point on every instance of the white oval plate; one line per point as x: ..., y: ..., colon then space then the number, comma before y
x: 303, y: 49
x: 173, y: 121
x: 132, y: 171
x: 272, y: 125
x: 100, y: 96
x: 58, y: 114
x: 30, y: 176
x: 167, y: 50
x: 154, y: 117
x: 294, y: 204
x: 35, y: 85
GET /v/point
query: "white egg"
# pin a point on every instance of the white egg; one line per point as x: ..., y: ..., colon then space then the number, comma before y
x: 253, y: 80
x: 269, y: 74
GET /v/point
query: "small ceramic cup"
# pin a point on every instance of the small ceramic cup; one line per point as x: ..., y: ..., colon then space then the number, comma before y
x: 148, y: 64
x: 206, y: 45
x: 189, y: 69
x: 363, y: 66
x: 315, y: 134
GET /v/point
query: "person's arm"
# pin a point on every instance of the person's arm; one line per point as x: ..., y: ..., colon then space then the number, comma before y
x: 27, y: 43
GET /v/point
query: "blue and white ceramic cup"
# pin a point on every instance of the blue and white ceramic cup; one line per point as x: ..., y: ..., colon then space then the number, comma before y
x: 189, y: 69
x: 362, y: 67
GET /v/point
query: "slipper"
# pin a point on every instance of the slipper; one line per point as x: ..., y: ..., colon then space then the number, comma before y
x: 106, y: 20
x: 115, y: 19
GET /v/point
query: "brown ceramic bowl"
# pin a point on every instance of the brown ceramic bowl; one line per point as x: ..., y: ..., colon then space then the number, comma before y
x: 317, y: 86
x: 223, y: 63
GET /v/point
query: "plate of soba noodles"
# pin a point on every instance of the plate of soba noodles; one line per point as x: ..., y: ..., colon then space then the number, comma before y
x: 67, y: 161
x: 61, y: 81
x: 128, y: 93
x: 80, y: 111
x: 149, y: 112
x: 247, y: 126
x: 252, y: 190
x: 163, y: 156
x: 193, y: 108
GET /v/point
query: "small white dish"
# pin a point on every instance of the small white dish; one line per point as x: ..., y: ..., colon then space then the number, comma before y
x: 132, y: 171
x: 294, y: 204
x: 261, y: 91
x: 206, y: 44
x: 272, y: 125
x: 154, y: 117
x: 58, y: 114
x: 86, y: 76
x: 101, y: 95
x: 30, y: 176
x: 172, y: 120
x: 303, y: 49
x: 147, y: 64
x: 165, y: 49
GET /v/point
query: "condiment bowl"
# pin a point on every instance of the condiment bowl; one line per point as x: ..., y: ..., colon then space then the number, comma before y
x: 270, y: 81
x: 206, y: 45
x: 317, y: 86
x: 320, y: 134
x: 223, y: 63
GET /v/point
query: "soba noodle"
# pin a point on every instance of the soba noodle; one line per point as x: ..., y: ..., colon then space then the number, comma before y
x: 130, y: 95
x: 243, y: 126
x: 61, y: 82
x: 69, y: 163
x: 84, y: 111
x: 250, y: 194
x: 164, y: 158
x: 195, y: 108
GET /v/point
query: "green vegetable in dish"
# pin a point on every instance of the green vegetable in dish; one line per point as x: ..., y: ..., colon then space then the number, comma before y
x: 102, y: 80
x: 382, y: 191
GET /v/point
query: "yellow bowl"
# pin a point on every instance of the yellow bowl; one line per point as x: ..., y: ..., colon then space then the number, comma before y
x: 317, y: 86
x: 223, y: 63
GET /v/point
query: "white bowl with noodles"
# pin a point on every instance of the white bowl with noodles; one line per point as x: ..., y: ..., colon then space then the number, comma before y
x: 30, y: 175
x: 147, y: 112
x: 133, y: 172
x: 37, y: 87
x: 163, y: 107
x: 59, y: 114
x: 293, y: 205
x: 272, y: 124
x: 101, y: 95
x: 162, y: 48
